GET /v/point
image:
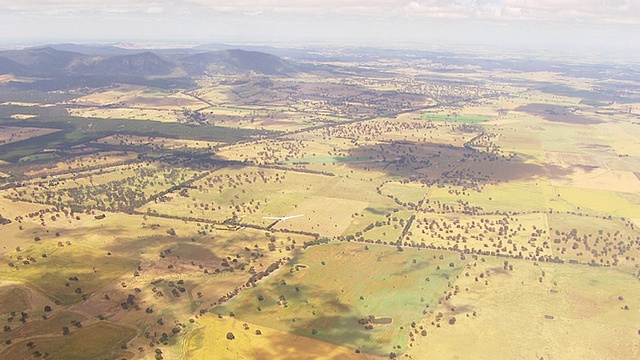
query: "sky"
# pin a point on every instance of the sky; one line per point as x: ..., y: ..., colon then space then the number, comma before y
x: 594, y: 27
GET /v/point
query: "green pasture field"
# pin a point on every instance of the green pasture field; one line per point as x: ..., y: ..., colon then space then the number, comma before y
x: 327, y: 289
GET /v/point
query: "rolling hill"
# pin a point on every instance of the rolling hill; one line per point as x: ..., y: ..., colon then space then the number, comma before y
x: 49, y: 62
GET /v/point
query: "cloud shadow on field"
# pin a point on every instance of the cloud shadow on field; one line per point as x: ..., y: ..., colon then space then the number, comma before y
x: 556, y: 113
x: 498, y: 270
x: 316, y: 313
x: 342, y: 330
x: 560, y: 173
x: 375, y: 211
x: 437, y: 163
x: 419, y: 265
x: 180, y: 247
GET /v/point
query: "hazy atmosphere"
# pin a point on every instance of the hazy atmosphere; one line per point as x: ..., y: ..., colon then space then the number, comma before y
x: 318, y: 180
x: 595, y: 27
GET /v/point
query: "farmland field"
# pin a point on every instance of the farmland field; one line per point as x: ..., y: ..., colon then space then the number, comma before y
x: 325, y: 215
x: 209, y: 342
x: 564, y: 305
x: 307, y: 298
x: 11, y: 134
x: 101, y: 339
x: 467, y: 119
x: 330, y: 204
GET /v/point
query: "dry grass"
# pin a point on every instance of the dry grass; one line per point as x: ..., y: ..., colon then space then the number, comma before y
x: 599, y: 179
x: 23, y: 116
x: 545, y: 311
x: 325, y: 299
x: 162, y: 142
x: 103, y: 159
x: 131, y: 96
x: 326, y: 216
x: 127, y: 113
x: 210, y: 342
x: 101, y: 340
x: 11, y: 134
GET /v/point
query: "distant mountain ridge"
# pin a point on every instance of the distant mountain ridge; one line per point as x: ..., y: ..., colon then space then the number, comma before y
x: 237, y: 61
x: 141, y: 64
x: 50, y: 62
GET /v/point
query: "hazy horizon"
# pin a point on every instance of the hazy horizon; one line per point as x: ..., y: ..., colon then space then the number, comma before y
x: 599, y: 29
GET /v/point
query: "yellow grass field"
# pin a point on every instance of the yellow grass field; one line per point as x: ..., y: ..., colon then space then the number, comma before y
x: 98, y: 340
x: 26, y: 104
x: 11, y: 134
x: 439, y: 210
x: 67, y: 261
x: 407, y: 193
x: 79, y: 163
x: 325, y: 215
x: 12, y: 236
x: 624, y: 137
x: 567, y: 159
x: 514, y: 195
x: 482, y: 233
x: 598, y: 201
x: 13, y: 299
x: 210, y: 342
x: 127, y: 113
x: 249, y: 192
x: 545, y: 311
x: 132, y: 96
x: 162, y: 142
x: 23, y: 116
x: 599, y: 179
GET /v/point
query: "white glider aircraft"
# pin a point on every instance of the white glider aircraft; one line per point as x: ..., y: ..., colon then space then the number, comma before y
x: 282, y: 218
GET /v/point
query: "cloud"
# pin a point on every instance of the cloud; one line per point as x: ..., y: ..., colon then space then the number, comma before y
x: 534, y: 23
x: 155, y: 10
x: 605, y: 11
x: 598, y: 11
x: 76, y: 7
